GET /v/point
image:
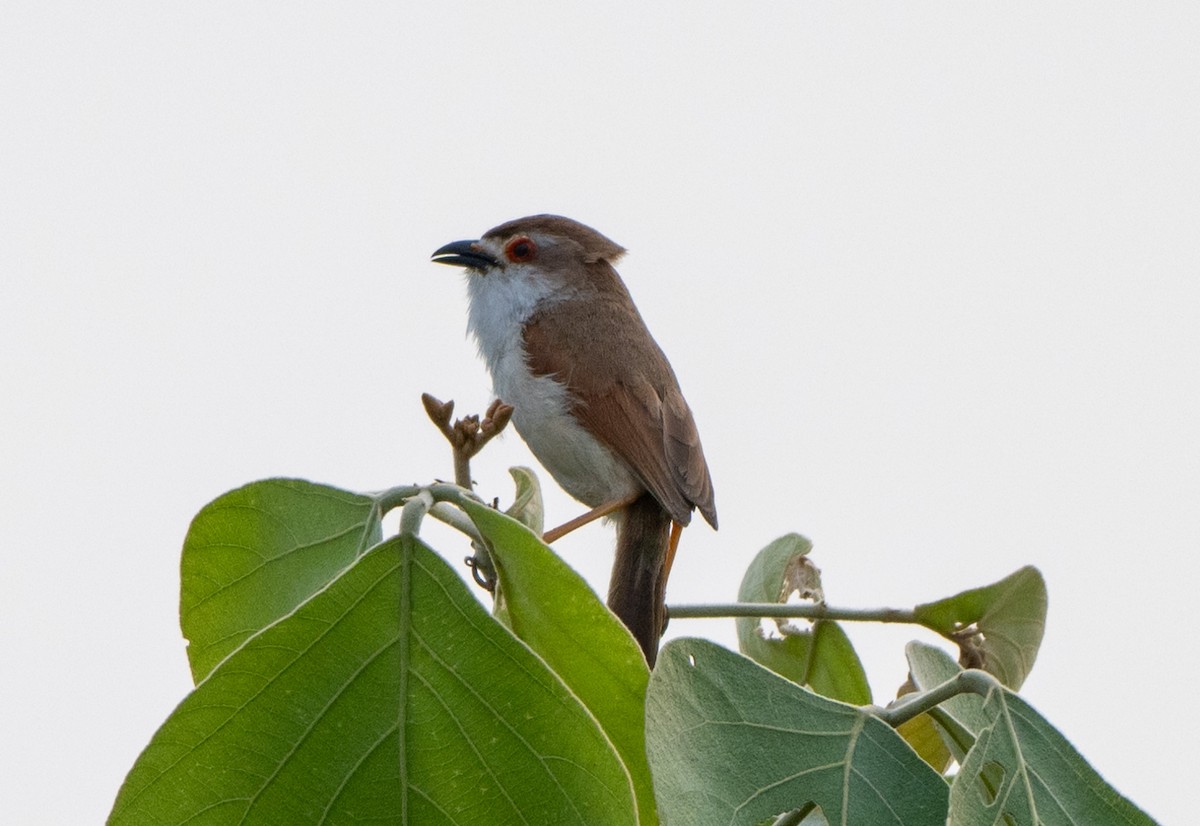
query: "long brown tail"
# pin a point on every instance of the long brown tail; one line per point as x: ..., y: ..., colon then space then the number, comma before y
x: 637, y: 589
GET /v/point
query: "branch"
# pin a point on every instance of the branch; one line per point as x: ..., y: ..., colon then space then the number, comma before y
x: 455, y: 518
x: 802, y: 610
x: 467, y: 436
x: 415, y: 501
x: 414, y: 511
x: 971, y: 681
x: 967, y: 639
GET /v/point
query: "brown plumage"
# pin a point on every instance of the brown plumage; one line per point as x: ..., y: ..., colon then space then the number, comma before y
x: 615, y: 406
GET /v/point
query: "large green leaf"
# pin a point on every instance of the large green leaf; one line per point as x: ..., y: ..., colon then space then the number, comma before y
x: 1021, y: 770
x: 731, y: 742
x: 390, y: 696
x: 1009, y: 616
x: 254, y: 554
x: 1016, y: 765
x: 552, y: 608
x: 821, y: 657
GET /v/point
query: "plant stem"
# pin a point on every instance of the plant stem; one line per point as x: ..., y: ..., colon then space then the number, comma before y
x: 970, y: 681
x: 444, y: 512
x: 800, y: 610
x: 462, y: 469
x: 413, y: 512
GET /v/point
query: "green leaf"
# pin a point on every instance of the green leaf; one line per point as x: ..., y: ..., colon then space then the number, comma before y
x: 926, y: 740
x: 1012, y: 761
x: 1021, y: 770
x: 254, y: 554
x: 391, y: 696
x: 557, y: 614
x: 1010, y: 615
x: 821, y: 657
x: 527, y: 504
x: 731, y: 742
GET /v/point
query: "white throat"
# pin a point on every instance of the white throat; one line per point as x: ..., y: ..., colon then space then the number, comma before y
x: 499, y: 305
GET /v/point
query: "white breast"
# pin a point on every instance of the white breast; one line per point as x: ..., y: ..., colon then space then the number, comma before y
x: 500, y: 303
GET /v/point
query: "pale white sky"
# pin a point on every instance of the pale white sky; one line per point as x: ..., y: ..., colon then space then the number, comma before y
x: 928, y: 274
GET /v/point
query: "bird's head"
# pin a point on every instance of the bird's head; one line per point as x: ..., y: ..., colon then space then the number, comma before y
x: 545, y: 248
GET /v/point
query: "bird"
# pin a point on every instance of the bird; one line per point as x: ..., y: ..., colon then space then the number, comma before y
x: 593, y: 395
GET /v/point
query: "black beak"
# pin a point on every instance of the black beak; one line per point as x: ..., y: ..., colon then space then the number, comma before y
x: 464, y: 254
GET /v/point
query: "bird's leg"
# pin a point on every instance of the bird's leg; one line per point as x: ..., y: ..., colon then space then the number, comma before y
x: 591, y: 516
x: 672, y: 547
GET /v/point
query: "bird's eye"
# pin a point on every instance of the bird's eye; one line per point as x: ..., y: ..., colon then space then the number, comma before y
x: 520, y: 249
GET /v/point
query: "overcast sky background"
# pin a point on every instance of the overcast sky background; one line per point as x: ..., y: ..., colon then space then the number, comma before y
x: 928, y: 274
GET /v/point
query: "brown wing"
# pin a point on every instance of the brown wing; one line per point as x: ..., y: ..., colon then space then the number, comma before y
x: 633, y: 402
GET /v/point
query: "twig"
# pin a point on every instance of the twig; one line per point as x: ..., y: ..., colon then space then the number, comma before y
x: 911, y: 705
x: 968, y: 640
x: 441, y: 500
x: 414, y: 511
x: 813, y: 611
x: 467, y: 436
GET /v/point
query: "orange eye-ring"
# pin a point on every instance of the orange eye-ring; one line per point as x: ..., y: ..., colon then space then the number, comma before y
x: 520, y: 249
